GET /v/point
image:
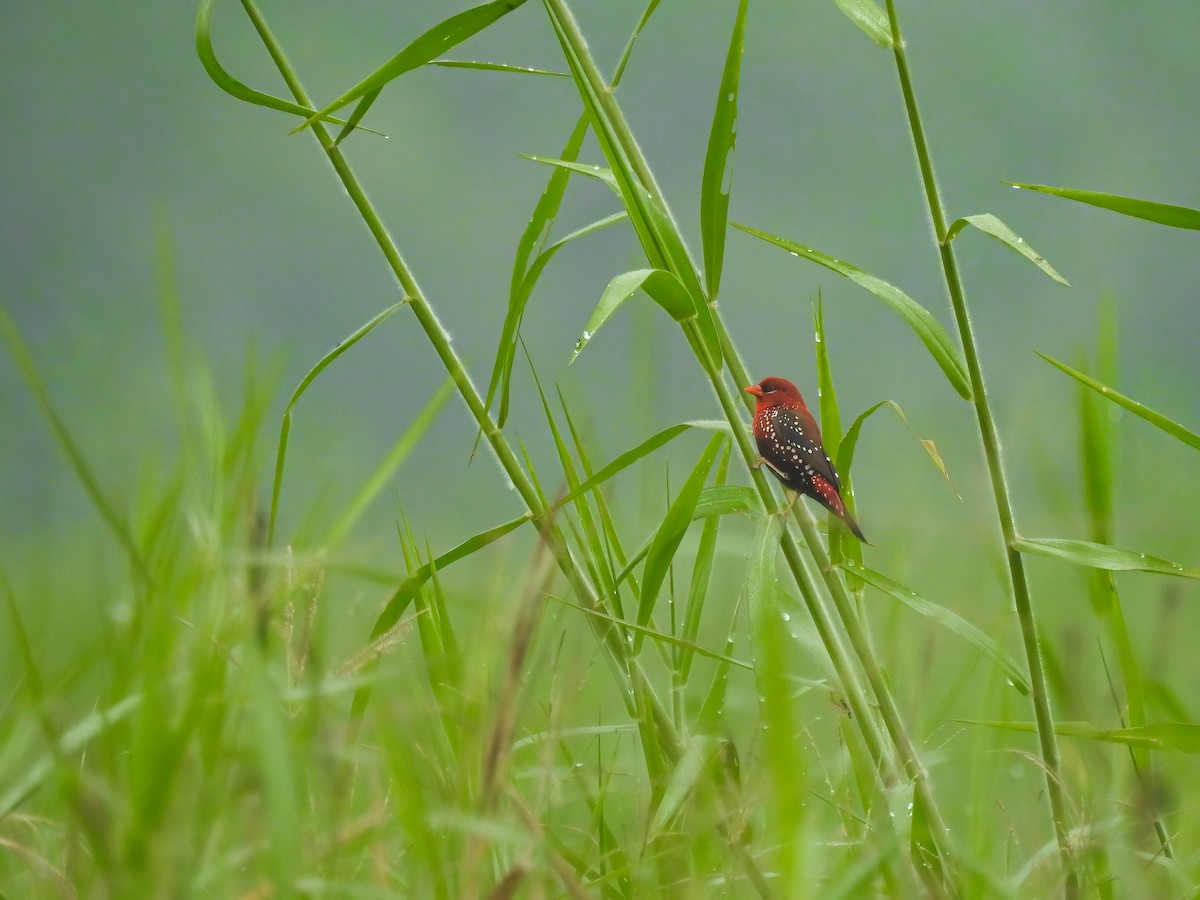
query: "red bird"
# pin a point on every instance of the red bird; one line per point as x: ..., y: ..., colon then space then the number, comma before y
x: 790, y: 444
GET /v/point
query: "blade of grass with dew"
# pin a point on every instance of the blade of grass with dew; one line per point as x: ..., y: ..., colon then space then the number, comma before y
x: 425, y: 49
x: 1162, y: 213
x: 71, y: 449
x: 495, y: 67
x: 868, y: 16
x: 660, y: 636
x: 664, y: 289
x: 233, y: 87
x: 1177, y: 737
x: 947, y: 619
x: 718, y: 161
x: 285, y: 427
x: 670, y: 532
x: 1158, y: 420
x: 1102, y: 556
x: 919, y: 319
x: 993, y: 227
x: 383, y: 472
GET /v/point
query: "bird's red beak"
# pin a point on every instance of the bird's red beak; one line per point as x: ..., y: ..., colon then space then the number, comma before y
x: 755, y: 390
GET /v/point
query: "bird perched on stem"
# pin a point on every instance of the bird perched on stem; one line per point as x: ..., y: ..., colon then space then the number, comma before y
x: 790, y: 443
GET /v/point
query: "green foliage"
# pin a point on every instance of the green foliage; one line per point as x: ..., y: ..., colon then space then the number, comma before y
x: 704, y: 701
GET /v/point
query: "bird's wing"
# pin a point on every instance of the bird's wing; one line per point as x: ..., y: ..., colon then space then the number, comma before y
x: 793, y: 431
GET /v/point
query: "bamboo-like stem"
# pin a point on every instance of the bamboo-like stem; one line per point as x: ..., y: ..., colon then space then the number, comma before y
x: 439, y: 339
x: 989, y: 436
x: 843, y: 662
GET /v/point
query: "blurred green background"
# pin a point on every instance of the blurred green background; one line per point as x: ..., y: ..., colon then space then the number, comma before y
x: 112, y: 130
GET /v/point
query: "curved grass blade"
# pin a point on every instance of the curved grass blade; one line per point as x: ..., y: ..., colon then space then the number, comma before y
x: 1162, y: 213
x: 1102, y: 556
x: 845, y: 455
x: 718, y: 161
x: 383, y: 472
x: 600, y: 172
x: 868, y: 16
x: 433, y: 43
x: 495, y: 67
x: 947, y: 619
x: 670, y: 533
x: 655, y: 635
x: 285, y: 428
x: 1179, y: 737
x: 663, y: 288
x: 919, y: 319
x: 1158, y: 420
x: 841, y: 541
x: 701, y: 751
x: 506, y: 352
x: 993, y: 227
x: 108, y: 511
x: 235, y: 88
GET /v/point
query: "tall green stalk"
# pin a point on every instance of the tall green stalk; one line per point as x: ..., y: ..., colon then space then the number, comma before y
x: 1022, y: 599
x: 619, y: 144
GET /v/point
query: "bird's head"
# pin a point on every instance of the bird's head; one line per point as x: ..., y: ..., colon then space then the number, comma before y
x: 775, y: 391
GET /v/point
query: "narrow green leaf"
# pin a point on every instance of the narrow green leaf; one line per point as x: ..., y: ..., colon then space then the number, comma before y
x: 868, y: 16
x: 706, y: 552
x: 1177, y: 431
x: 1179, y: 737
x: 993, y: 227
x: 661, y: 286
x: 656, y: 635
x: 927, y: 328
x: 718, y: 161
x: 671, y: 530
x: 404, y: 594
x: 426, y: 48
x: 231, y: 85
x: 383, y: 472
x: 840, y: 540
x: 845, y: 457
x: 700, y: 752
x: 495, y: 67
x: 1102, y: 556
x: 1162, y: 213
x: 947, y: 619
x: 602, y: 173
x: 285, y: 427
x: 91, y: 484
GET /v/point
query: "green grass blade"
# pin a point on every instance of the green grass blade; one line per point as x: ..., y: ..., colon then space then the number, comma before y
x: 706, y: 552
x: 947, y: 619
x: 659, y: 636
x: 495, y: 67
x: 231, y: 85
x: 1162, y: 213
x: 285, y: 427
x: 70, y: 448
x: 661, y: 286
x: 1102, y: 556
x: 1158, y: 420
x: 383, y: 472
x: 433, y: 43
x: 670, y: 532
x: 870, y: 18
x: 279, y: 778
x: 845, y: 456
x: 718, y: 161
x: 840, y: 540
x: 920, y: 320
x: 532, y: 240
x: 993, y: 227
x: 600, y: 173
x: 403, y: 595
x: 1178, y: 737
x: 700, y: 752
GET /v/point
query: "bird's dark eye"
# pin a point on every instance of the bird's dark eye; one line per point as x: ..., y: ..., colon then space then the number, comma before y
x: 768, y: 389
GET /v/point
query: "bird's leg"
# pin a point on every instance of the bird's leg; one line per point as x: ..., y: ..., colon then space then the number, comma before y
x: 792, y: 497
